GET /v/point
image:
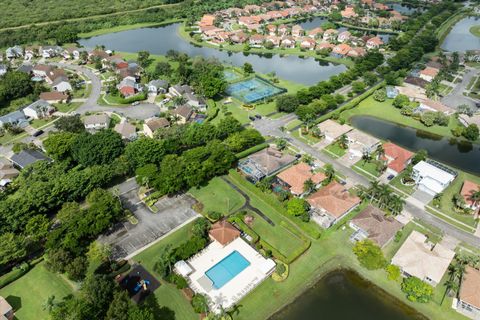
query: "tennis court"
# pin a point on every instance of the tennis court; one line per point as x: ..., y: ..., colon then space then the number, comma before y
x: 253, y: 90
x: 230, y: 75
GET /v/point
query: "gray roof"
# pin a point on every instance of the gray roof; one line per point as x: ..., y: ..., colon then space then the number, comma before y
x: 159, y: 83
x: 38, y: 104
x: 125, y: 129
x: 27, y: 68
x: 13, y: 117
x: 182, y: 89
x: 184, y: 111
x: 96, y: 119
x: 59, y: 80
x: 27, y: 157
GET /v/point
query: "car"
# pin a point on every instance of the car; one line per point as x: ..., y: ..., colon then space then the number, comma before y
x: 258, y: 116
x: 251, y: 118
x: 343, y: 182
x: 37, y: 133
x: 136, y: 103
x: 390, y: 177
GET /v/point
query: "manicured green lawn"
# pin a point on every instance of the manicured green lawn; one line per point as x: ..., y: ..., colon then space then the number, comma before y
x: 397, y: 183
x: 307, y: 138
x: 475, y: 30
x: 293, y: 124
x: 37, y: 123
x: 124, y: 27
x: 27, y: 294
x: 67, y: 107
x: 218, y: 196
x: 368, y: 166
x: 385, y: 110
x: 446, y: 203
x: 334, y: 150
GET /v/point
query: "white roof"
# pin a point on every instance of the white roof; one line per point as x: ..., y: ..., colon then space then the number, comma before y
x: 362, y: 138
x: 427, y: 170
x: 416, y: 258
x: 333, y: 129
x: 266, y: 266
x: 183, y: 268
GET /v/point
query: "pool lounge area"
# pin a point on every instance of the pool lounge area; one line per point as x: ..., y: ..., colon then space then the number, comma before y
x: 226, y: 273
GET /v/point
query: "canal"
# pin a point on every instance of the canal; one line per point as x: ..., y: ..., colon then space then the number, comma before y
x: 460, y: 154
x: 159, y: 40
x: 344, y: 295
x: 460, y: 38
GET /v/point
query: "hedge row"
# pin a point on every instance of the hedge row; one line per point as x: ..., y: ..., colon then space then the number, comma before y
x: 251, y: 150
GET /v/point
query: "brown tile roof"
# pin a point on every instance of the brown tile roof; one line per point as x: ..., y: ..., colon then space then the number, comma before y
x: 429, y: 71
x: 223, y: 232
x: 157, y: 123
x: 399, y: 155
x: 468, y: 189
x: 470, y: 290
x: 334, y: 199
x: 379, y: 227
x: 53, y: 96
x: 184, y: 111
x: 296, y: 175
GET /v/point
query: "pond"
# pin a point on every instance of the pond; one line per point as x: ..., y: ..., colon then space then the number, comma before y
x: 403, y: 8
x: 159, y: 40
x: 344, y: 295
x: 313, y: 23
x: 460, y: 154
x: 460, y: 38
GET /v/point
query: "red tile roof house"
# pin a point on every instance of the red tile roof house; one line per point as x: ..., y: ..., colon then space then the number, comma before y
x: 53, y: 97
x: 315, y: 33
x: 468, y: 189
x: 256, y: 40
x: 374, y: 43
x: 308, y: 43
x: 297, y: 31
x: 239, y: 37
x: 295, y: 177
x: 331, y: 203
x: 330, y: 35
x: 274, y: 40
x: 282, y: 30
x: 207, y: 20
x: 348, y: 13
x: 429, y: 73
x: 288, y: 42
x: 341, y: 50
x: 271, y: 29
x: 357, y: 52
x: 469, y: 295
x: 397, y: 158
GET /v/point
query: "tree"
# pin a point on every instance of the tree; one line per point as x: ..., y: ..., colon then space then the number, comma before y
x: 428, y: 118
x: 98, y: 291
x: 70, y: 123
x: 98, y: 148
x: 227, y: 126
x: 281, y: 143
x: 118, y: 309
x: 343, y: 141
x: 393, y: 272
x: 400, y: 101
x: 370, y: 78
x: 98, y: 251
x: 358, y: 87
x: 37, y: 227
x: 165, y: 261
x: 12, y: 248
x: 287, y: 103
x: 417, y: 290
x: 380, y: 95
x: 329, y: 172
x: 421, y: 155
x: 247, y: 68
x: 143, y: 58
x: 162, y: 68
x: 59, y: 145
x: 77, y: 269
x: 369, y: 255
x: 145, y: 174
x: 199, y: 303
x: 145, y: 151
x: 309, y: 186
x: 297, y: 207
x: 471, y: 132
x: 14, y: 85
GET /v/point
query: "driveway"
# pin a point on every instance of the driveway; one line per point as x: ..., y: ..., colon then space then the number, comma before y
x: 127, y: 239
x: 456, y: 97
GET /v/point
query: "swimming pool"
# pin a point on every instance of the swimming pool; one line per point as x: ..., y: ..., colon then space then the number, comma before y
x: 227, y: 269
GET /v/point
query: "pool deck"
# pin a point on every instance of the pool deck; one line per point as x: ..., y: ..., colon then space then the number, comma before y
x: 229, y: 294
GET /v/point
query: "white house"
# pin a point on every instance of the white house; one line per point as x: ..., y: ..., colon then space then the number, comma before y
x: 332, y: 130
x: 126, y: 130
x: 61, y: 84
x: 96, y: 122
x: 157, y: 86
x: 344, y: 36
x: 38, y: 110
x: 432, y: 177
x: 360, y: 143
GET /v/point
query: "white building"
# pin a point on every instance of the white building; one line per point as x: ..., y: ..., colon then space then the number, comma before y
x: 431, y: 178
x: 38, y: 110
x: 96, y: 122
x: 360, y: 143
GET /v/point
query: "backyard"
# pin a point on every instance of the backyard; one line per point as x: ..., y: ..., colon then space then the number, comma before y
x: 28, y: 294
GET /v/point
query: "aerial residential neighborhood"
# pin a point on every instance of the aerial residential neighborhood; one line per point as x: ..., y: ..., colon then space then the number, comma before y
x: 293, y: 159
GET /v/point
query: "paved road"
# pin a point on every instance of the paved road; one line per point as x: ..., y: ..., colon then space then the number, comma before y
x: 271, y: 127
x: 141, y: 111
x: 456, y: 97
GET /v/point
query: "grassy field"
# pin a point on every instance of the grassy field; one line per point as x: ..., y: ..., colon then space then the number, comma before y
x: 385, y: 111
x: 446, y: 203
x: 218, y: 196
x: 475, y: 30
x: 126, y: 27
x: 28, y: 293
x: 335, y: 150
x: 397, y: 183
x: 368, y: 166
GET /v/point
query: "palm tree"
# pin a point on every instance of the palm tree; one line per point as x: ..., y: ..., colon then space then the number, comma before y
x: 380, y: 151
x: 308, y: 186
x: 343, y: 141
x: 178, y: 101
x: 329, y: 172
x: 396, y: 204
x: 49, y: 304
x: 366, y: 156
x: 475, y: 196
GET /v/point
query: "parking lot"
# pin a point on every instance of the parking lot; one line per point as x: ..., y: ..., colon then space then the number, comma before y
x: 126, y: 238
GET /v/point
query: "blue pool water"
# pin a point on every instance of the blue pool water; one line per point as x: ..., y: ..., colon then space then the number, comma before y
x: 252, y: 90
x: 227, y: 269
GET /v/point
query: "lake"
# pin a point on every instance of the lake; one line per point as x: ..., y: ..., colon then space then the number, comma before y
x: 460, y: 154
x: 159, y: 40
x: 403, y: 8
x: 344, y: 295
x: 460, y: 38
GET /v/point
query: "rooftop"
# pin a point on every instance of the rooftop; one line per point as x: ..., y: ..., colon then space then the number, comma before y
x: 333, y: 129
x: 96, y: 119
x: 468, y: 189
x: 470, y: 290
x: 334, y: 199
x: 297, y: 175
x: 223, y: 232
x: 27, y: 157
x: 270, y: 160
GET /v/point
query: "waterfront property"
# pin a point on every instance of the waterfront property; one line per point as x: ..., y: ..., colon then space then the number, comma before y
x: 332, y: 130
x: 372, y: 223
x: 432, y: 177
x: 253, y: 90
x: 419, y: 258
x: 360, y: 143
x: 469, y: 188
x: 397, y: 158
x: 227, y: 269
x: 331, y: 203
x: 469, y: 296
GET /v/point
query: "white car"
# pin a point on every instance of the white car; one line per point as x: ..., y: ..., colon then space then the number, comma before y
x: 136, y: 103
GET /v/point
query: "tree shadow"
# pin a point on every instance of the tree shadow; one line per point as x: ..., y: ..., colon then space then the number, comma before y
x: 15, y: 302
x: 160, y: 313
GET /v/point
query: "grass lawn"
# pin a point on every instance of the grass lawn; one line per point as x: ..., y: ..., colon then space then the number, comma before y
x: 218, y: 196
x: 28, y: 293
x: 385, y: 111
x: 307, y: 138
x: 475, y: 30
x: 277, y: 236
x: 125, y: 27
x: 368, y: 166
x: 293, y: 124
x: 334, y: 150
x: 446, y: 203
x: 67, y: 107
x: 167, y: 295
x: 37, y: 123
x: 397, y: 183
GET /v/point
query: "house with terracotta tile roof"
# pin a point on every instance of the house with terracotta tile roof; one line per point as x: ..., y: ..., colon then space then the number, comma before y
x: 469, y: 188
x: 297, y: 31
x: 315, y: 33
x: 429, y: 73
x: 295, y: 177
x: 348, y: 13
x: 271, y: 29
x: 256, y: 40
x: 330, y: 35
x: 397, y: 158
x: 207, y: 20
x: 274, y: 40
x: 223, y: 232
x: 282, y: 30
x: 435, y: 106
x: 288, y: 42
x: 331, y: 203
x: 419, y: 258
x: 374, y: 43
x: 372, y: 223
x: 341, y: 50
x: 469, y: 295
x: 308, y: 43
x: 325, y: 45
x: 357, y: 52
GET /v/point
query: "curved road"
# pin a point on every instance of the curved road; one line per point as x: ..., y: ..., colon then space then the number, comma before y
x: 271, y: 127
x: 141, y: 111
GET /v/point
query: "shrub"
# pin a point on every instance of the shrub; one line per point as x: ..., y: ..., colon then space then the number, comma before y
x: 393, y: 272
x: 380, y: 95
x: 178, y: 280
x: 280, y: 268
x: 199, y: 303
x: 417, y: 290
x: 214, y: 215
x: 369, y: 255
